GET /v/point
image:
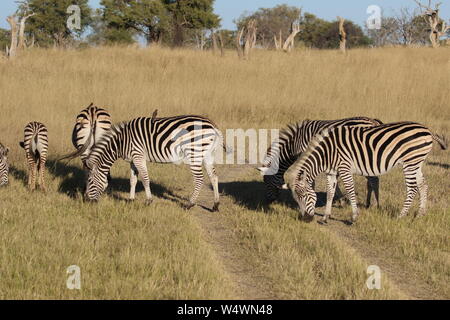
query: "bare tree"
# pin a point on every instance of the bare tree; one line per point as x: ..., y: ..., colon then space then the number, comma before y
x: 342, y: 35
x: 289, y: 43
x: 432, y: 17
x: 12, y: 50
x: 246, y: 39
x: 222, y: 45
x: 22, y: 31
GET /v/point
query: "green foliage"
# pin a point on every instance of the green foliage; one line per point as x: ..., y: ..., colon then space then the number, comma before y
x: 322, y: 34
x: 190, y: 14
x: 270, y: 22
x: 49, y: 24
x: 156, y: 20
x: 5, y: 39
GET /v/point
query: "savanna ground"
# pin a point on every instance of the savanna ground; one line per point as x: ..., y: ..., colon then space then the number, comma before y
x: 248, y: 250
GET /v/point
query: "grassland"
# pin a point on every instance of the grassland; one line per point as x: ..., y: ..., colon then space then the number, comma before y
x: 128, y: 250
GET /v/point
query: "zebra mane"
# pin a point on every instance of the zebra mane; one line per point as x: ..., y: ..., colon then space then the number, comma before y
x: 286, y: 134
x: 292, y: 128
x: 293, y: 171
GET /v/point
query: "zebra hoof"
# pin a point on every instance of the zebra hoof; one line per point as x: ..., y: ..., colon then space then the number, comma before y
x: 148, y: 202
x: 215, y: 208
x: 189, y: 206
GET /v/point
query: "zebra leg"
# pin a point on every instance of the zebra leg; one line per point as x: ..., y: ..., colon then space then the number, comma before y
x: 331, y: 189
x: 215, y: 183
x: 197, y: 173
x: 373, y: 185
x: 30, y: 172
x: 349, y: 185
x: 33, y: 169
x: 141, y: 167
x: 133, y: 181
x: 411, y: 189
x: 423, y: 192
x: 41, y: 168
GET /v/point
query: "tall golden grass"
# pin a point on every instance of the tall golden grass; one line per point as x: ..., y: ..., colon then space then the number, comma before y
x: 131, y: 251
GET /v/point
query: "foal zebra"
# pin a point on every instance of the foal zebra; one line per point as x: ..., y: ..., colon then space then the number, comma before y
x: 91, y: 124
x: 4, y: 166
x: 162, y: 140
x: 368, y: 152
x: 35, y: 144
x: 293, y: 141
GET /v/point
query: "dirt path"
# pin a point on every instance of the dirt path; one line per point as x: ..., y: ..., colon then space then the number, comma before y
x: 249, y: 285
x: 411, y: 286
x: 217, y: 231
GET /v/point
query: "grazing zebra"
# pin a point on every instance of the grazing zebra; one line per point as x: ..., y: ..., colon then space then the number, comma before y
x: 91, y: 124
x: 293, y: 141
x: 4, y: 167
x: 35, y: 144
x: 364, y: 151
x: 162, y: 140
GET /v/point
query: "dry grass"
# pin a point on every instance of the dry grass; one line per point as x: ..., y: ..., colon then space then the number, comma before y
x: 131, y: 251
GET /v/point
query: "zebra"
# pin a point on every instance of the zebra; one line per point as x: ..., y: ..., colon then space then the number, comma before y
x: 91, y: 124
x: 4, y: 166
x: 162, y: 140
x: 367, y: 151
x: 35, y: 144
x: 294, y: 140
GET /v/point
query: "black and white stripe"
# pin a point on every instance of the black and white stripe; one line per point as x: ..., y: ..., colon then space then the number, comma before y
x: 4, y: 166
x: 35, y: 144
x: 91, y: 124
x: 368, y: 152
x: 163, y: 140
x: 293, y: 141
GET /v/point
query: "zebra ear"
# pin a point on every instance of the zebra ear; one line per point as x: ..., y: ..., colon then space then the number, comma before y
x: 6, y: 151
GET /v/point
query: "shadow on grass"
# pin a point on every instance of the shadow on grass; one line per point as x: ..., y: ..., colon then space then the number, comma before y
x: 445, y: 166
x: 19, y: 174
x: 252, y: 195
x: 74, y: 180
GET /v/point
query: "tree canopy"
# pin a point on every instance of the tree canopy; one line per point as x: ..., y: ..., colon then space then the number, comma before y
x: 49, y: 23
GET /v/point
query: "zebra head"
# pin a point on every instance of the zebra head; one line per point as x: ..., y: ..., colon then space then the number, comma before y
x: 96, y: 184
x: 305, y: 196
x: 4, y: 167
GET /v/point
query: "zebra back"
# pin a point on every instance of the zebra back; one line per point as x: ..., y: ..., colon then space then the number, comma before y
x: 35, y: 141
x: 161, y: 140
x: 370, y: 151
x: 292, y: 142
x: 91, y: 124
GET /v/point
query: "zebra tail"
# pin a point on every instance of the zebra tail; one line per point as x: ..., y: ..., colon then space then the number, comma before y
x: 441, y: 140
x: 79, y: 151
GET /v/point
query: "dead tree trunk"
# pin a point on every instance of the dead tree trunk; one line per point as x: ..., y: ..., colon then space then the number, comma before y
x: 342, y: 35
x: 246, y: 39
x: 22, y: 31
x: 277, y: 41
x: 214, y: 41
x: 289, y: 43
x: 431, y: 16
x: 222, y: 52
x: 11, y: 52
